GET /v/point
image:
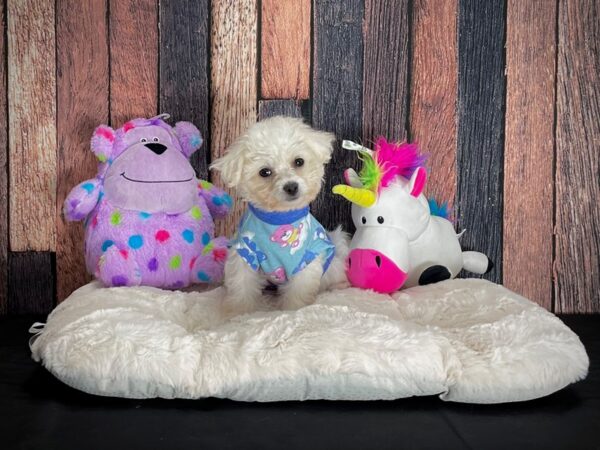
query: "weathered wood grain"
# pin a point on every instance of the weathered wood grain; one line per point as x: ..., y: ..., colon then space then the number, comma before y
x: 31, y: 282
x: 3, y: 168
x: 32, y: 126
x: 434, y: 91
x: 577, y: 260
x: 386, y: 58
x: 133, y: 59
x: 337, y: 95
x: 184, y: 69
x: 82, y: 104
x: 233, y: 82
x: 528, y: 150
x: 285, y: 49
x: 270, y: 108
x: 481, y: 89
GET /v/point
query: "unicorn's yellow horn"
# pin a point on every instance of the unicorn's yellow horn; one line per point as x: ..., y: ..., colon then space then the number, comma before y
x: 360, y: 196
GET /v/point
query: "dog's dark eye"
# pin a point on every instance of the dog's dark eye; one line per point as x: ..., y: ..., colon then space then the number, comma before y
x: 380, y: 219
x: 299, y: 162
x: 155, y: 139
x: 143, y: 140
x: 265, y: 172
x: 364, y: 220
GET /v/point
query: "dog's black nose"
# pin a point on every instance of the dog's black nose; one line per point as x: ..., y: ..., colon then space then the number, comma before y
x: 291, y: 188
x: 159, y: 149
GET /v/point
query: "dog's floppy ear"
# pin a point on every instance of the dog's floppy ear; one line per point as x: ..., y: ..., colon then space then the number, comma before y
x: 231, y: 164
x: 320, y: 142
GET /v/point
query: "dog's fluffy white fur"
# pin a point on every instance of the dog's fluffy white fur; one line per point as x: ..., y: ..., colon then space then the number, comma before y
x: 276, y: 144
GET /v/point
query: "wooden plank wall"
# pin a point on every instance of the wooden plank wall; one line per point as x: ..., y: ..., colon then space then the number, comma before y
x: 504, y: 97
x: 528, y: 163
x: 577, y: 174
x: 82, y: 93
x: 3, y: 167
x: 184, y: 73
x: 234, y: 83
x: 479, y: 153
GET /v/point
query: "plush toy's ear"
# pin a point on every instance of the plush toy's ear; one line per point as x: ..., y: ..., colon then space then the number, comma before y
x: 352, y: 178
x: 189, y: 137
x: 417, y: 182
x: 231, y: 164
x: 102, y: 142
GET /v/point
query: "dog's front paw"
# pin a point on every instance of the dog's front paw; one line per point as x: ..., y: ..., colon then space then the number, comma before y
x: 342, y: 284
x: 233, y: 306
x: 293, y: 301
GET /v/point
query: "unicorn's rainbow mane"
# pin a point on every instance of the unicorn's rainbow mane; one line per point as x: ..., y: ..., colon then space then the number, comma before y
x: 388, y: 161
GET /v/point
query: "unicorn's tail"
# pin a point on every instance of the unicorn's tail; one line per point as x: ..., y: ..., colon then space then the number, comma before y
x: 477, y: 262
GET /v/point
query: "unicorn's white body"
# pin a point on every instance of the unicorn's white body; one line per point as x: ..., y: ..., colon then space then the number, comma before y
x: 410, y: 236
x: 398, y: 242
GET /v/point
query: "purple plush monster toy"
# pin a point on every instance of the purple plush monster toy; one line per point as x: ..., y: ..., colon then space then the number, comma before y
x: 148, y: 219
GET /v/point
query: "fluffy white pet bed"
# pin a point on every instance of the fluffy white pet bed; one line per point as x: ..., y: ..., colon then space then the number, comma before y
x: 466, y: 340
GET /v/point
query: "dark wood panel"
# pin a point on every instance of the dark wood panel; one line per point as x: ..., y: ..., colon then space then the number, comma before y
x: 270, y: 108
x: 481, y: 90
x: 184, y: 68
x: 337, y: 95
x: 285, y: 49
x: 30, y: 282
x: 386, y: 57
x: 528, y: 152
x: 577, y: 231
x: 234, y: 83
x: 3, y: 167
x: 133, y: 59
x: 434, y: 92
x: 32, y: 124
x: 82, y: 105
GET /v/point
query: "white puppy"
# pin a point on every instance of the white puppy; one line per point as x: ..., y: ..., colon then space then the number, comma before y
x: 277, y: 166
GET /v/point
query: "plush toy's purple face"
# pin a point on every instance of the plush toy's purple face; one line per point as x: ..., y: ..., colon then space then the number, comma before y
x: 148, y: 166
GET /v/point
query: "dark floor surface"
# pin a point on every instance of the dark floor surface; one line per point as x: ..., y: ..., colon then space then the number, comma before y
x: 39, y: 412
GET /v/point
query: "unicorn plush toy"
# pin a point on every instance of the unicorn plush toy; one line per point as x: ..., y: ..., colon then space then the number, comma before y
x: 398, y: 241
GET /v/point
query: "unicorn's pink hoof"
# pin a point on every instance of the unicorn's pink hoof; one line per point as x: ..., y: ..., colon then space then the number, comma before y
x: 370, y: 269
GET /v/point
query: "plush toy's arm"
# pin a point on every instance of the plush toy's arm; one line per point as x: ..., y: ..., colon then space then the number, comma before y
x: 218, y: 201
x: 82, y: 199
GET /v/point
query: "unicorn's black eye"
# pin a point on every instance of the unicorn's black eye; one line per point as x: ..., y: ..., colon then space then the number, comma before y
x: 265, y: 172
x: 364, y: 220
x: 298, y: 162
x: 155, y: 139
x: 143, y: 140
x: 380, y: 219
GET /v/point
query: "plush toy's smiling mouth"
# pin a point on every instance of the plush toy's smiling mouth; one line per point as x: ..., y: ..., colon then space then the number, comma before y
x: 158, y: 181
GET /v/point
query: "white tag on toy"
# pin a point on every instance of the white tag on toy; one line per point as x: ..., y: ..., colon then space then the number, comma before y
x: 353, y: 146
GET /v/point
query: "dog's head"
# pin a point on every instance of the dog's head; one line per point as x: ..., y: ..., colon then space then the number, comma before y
x: 278, y: 164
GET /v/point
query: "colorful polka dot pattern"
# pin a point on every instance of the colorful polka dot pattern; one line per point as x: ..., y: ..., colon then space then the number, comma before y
x: 153, y: 265
x: 202, y: 276
x: 115, y: 218
x: 156, y: 249
x: 136, y: 241
x: 196, y: 213
x: 188, y: 235
x: 175, y: 262
x: 162, y: 236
